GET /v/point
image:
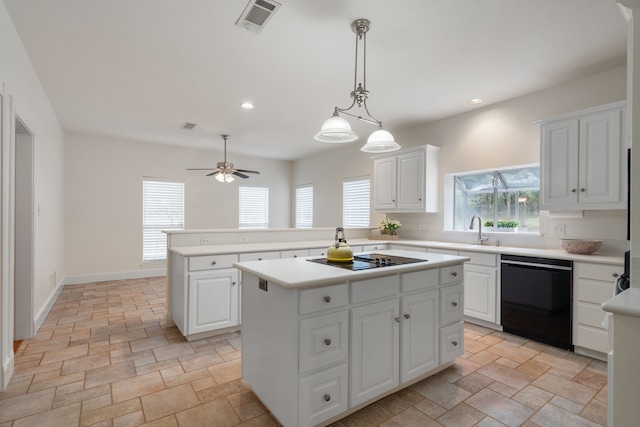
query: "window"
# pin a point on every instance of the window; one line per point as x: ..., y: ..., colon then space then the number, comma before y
x: 356, y: 205
x: 162, y: 209
x: 505, y: 199
x: 304, y: 206
x: 254, y: 207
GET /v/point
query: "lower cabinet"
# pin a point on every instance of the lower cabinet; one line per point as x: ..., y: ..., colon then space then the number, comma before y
x: 331, y: 349
x: 480, y: 286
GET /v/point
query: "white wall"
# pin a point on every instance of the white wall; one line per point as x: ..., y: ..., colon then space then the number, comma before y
x: 497, y: 135
x: 30, y: 101
x: 103, y: 183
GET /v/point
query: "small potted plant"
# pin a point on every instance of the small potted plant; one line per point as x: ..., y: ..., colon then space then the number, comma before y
x: 488, y: 224
x: 507, y: 225
x: 389, y: 226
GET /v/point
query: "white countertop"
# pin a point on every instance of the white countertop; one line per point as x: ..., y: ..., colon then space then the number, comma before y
x: 627, y: 303
x: 282, y: 246
x: 296, y: 273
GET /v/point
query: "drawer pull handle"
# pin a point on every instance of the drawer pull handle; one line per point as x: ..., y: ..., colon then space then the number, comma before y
x: 407, y: 316
x: 454, y: 273
x: 213, y: 263
x: 327, y: 342
x: 615, y: 274
x: 327, y: 299
x: 327, y: 397
x: 398, y: 319
x: 454, y: 303
x: 455, y: 343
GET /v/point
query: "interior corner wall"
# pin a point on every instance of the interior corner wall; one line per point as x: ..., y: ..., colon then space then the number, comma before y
x: 30, y: 100
x: 103, y: 199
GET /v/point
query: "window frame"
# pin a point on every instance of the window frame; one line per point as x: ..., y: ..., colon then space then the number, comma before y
x: 346, y: 220
x: 264, y: 208
x: 304, y: 207
x: 148, y: 252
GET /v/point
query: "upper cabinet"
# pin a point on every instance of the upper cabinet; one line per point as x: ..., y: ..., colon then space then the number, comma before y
x: 583, y: 161
x: 407, y: 180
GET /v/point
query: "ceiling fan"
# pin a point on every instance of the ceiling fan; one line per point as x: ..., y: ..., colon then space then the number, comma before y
x: 224, y: 171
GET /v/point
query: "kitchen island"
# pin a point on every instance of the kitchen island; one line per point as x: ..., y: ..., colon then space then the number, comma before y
x: 320, y: 342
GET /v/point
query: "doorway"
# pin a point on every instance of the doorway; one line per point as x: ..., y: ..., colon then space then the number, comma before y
x: 24, y: 322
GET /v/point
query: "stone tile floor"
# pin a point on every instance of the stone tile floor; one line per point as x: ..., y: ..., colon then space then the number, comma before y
x: 104, y: 358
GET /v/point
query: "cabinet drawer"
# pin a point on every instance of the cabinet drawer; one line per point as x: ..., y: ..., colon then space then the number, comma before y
x: 592, y: 338
x: 451, y: 342
x: 478, y: 258
x: 211, y: 261
x: 259, y: 256
x: 451, y: 304
x: 318, y: 251
x: 407, y: 248
x: 371, y: 289
x: 441, y: 251
x: 595, y: 292
x: 294, y: 254
x: 590, y: 314
x: 378, y: 247
x: 452, y: 274
x: 323, y: 340
x: 419, y: 280
x: 603, y: 272
x: 323, y: 298
x: 323, y: 395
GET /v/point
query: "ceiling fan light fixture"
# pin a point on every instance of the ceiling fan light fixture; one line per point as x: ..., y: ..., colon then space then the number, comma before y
x: 380, y: 141
x: 225, y: 177
x: 336, y: 130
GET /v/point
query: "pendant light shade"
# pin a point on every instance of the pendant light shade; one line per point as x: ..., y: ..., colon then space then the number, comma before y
x: 380, y: 141
x: 336, y: 130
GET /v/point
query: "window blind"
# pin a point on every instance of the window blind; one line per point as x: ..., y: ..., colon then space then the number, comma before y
x: 356, y: 195
x: 162, y: 209
x: 254, y: 207
x: 304, y: 206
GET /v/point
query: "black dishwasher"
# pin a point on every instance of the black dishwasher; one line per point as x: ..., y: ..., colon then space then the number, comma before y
x: 536, y: 299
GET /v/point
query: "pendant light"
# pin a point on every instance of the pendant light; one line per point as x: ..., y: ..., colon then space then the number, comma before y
x: 336, y: 129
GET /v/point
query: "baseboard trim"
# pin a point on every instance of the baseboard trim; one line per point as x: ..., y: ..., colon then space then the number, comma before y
x: 7, y: 372
x: 40, y: 318
x: 119, y: 275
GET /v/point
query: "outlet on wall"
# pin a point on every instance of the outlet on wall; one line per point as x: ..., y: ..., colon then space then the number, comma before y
x: 204, y: 241
x: 244, y: 239
x: 558, y: 230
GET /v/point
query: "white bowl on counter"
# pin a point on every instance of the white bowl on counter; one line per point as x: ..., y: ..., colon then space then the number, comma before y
x: 580, y: 246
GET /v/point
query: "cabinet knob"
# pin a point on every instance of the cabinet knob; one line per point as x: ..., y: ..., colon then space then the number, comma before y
x: 327, y: 342
x: 407, y: 316
x: 420, y: 199
x: 327, y: 299
x: 455, y: 343
x: 454, y: 273
x: 233, y: 283
x: 213, y: 263
x: 615, y: 274
x: 573, y: 190
x: 398, y: 319
x: 327, y: 397
x: 393, y: 201
x: 582, y: 190
x: 295, y: 256
x: 454, y: 303
x: 259, y: 259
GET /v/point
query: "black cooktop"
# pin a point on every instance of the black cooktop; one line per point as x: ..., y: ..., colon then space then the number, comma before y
x: 367, y: 261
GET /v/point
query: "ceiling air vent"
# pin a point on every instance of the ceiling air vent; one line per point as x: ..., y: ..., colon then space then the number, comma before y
x: 188, y: 126
x: 256, y: 15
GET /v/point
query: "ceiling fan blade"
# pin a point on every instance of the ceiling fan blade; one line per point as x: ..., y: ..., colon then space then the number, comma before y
x: 241, y: 175
x: 247, y: 171
x: 215, y: 172
x: 201, y: 169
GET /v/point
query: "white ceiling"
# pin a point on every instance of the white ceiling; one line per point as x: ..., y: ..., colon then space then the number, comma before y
x: 139, y: 69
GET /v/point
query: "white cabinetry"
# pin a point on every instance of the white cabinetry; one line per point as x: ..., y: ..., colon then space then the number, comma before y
x: 593, y: 284
x: 205, y: 294
x: 583, y: 161
x: 407, y: 181
x: 480, y: 286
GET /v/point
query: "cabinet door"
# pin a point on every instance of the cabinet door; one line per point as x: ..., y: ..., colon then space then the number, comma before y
x: 411, y: 180
x: 384, y: 194
x: 213, y: 300
x: 600, y: 158
x: 375, y: 342
x: 480, y: 292
x: 559, y: 164
x: 420, y: 326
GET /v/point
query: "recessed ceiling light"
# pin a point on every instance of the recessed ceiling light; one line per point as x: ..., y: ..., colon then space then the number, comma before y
x: 476, y: 101
x: 247, y: 105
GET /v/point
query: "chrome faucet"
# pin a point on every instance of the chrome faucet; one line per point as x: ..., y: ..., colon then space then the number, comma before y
x: 481, y: 237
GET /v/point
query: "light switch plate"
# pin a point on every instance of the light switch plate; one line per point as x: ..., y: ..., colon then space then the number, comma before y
x: 558, y: 229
